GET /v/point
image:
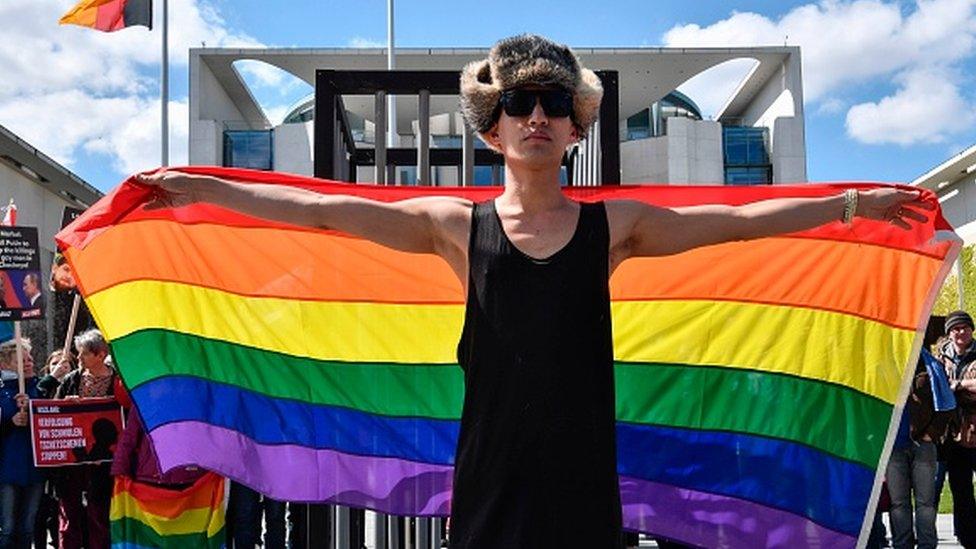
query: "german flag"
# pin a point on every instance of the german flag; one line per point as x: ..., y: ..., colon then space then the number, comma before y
x: 109, y: 15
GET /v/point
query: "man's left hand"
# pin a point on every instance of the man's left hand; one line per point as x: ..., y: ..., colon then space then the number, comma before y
x: 896, y: 206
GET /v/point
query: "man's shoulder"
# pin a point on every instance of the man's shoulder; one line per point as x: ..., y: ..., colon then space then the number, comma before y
x: 451, y: 214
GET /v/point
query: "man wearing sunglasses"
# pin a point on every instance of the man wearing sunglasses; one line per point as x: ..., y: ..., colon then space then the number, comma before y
x: 536, y: 461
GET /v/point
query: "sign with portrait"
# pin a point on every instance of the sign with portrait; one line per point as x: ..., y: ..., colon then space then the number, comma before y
x: 21, y: 290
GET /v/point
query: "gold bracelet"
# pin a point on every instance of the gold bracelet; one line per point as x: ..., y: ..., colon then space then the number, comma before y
x: 850, y: 205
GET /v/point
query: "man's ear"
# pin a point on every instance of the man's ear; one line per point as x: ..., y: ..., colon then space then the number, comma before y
x: 493, y: 138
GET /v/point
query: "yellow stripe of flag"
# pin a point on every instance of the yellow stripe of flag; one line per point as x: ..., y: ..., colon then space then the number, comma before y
x: 809, y: 343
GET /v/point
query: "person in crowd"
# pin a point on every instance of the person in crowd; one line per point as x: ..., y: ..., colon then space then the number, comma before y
x: 135, y: 458
x: 878, y: 536
x: 46, y: 520
x: 245, y: 508
x: 941, y: 469
x: 21, y: 484
x: 912, y: 465
x: 85, y: 491
x: 958, y: 355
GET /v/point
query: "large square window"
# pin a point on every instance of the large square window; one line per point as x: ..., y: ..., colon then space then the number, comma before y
x: 249, y: 149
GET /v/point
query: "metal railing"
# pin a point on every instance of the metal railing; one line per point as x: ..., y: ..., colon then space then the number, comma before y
x: 336, y: 155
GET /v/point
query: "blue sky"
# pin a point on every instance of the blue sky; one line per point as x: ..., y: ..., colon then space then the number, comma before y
x: 888, y: 85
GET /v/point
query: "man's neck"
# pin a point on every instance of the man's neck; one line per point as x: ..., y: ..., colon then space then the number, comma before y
x: 533, y: 190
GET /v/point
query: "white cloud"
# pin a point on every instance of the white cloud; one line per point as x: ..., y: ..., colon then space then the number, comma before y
x: 260, y: 74
x: 361, y: 42
x: 64, y: 122
x: 135, y: 145
x: 66, y: 87
x: 830, y: 106
x: 847, y: 45
x: 711, y: 89
x: 276, y: 114
x: 926, y: 108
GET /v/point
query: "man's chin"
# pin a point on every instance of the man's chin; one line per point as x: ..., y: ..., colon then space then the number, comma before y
x: 542, y: 154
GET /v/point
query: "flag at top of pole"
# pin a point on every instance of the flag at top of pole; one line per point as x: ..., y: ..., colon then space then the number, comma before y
x: 109, y: 15
x: 9, y: 215
x: 113, y: 15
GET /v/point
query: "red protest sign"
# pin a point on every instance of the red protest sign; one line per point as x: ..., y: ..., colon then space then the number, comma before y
x: 74, y: 431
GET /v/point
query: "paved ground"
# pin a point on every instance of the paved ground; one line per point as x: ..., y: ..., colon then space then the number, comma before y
x: 943, y: 525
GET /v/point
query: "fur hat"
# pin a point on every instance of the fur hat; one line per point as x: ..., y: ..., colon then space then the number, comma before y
x: 522, y: 60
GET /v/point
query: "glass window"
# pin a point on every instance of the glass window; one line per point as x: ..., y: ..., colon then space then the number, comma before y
x: 408, y: 175
x: 248, y: 149
x: 744, y: 145
x: 737, y: 175
x: 448, y: 141
x: 482, y: 175
x: 745, y: 155
x: 639, y: 125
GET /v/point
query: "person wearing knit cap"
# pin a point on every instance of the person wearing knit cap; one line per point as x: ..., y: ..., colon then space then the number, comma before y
x: 959, y: 357
x: 957, y: 318
x: 535, y: 464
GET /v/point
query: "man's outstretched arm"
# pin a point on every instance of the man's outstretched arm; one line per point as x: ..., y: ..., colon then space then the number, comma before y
x: 644, y: 230
x: 418, y: 225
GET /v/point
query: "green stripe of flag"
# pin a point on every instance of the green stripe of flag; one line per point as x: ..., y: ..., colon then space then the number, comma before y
x: 835, y: 419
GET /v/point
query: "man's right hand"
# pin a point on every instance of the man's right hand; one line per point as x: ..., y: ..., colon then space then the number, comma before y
x: 172, y: 189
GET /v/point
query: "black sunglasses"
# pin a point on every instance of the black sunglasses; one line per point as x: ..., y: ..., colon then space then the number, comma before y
x: 521, y: 102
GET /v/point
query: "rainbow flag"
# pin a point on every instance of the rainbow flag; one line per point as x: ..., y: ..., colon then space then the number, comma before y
x: 756, y: 381
x: 109, y: 15
x: 143, y: 515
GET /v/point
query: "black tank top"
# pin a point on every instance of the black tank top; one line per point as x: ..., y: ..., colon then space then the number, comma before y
x: 536, y: 457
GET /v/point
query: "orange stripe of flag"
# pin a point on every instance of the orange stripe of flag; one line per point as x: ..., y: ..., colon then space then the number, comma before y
x: 322, y: 267
x: 170, y: 503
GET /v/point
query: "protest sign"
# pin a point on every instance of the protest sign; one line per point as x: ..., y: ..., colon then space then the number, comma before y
x: 21, y: 295
x: 70, y: 214
x: 74, y: 431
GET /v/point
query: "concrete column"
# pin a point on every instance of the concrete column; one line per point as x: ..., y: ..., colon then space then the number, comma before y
x: 467, y: 157
x: 341, y: 532
x: 380, y: 142
x: 423, y: 145
x: 376, y: 530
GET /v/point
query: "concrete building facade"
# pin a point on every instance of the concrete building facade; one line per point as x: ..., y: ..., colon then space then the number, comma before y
x: 663, y: 137
x: 954, y: 181
x: 41, y: 188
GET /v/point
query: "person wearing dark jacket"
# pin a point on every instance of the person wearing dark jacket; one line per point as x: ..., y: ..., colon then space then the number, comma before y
x: 85, y: 491
x: 21, y: 484
x: 911, y: 468
x: 959, y: 357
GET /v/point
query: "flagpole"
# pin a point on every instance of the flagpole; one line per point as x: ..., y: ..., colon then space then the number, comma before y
x: 21, y: 382
x: 391, y: 140
x: 164, y: 87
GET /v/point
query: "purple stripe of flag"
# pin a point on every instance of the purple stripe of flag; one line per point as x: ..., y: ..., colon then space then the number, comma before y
x: 712, y: 520
x: 399, y: 486
x: 291, y: 473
